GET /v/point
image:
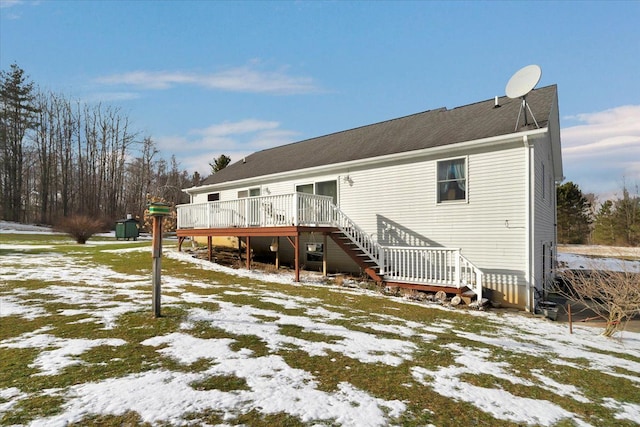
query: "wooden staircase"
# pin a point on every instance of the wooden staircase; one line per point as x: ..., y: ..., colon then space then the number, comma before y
x: 359, y: 256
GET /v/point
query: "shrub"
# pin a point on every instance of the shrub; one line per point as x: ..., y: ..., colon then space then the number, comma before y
x: 613, y: 296
x: 80, y: 227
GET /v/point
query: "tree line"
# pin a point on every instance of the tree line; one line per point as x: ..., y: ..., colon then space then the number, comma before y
x: 60, y: 157
x: 614, y: 222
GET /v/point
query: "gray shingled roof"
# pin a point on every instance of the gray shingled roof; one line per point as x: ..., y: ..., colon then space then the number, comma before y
x: 423, y: 130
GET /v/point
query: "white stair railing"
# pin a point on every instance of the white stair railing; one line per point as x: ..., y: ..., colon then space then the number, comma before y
x: 358, y: 236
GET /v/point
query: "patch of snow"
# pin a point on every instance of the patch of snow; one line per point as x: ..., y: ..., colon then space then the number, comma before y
x: 11, y: 396
x: 274, y: 387
x: 499, y: 403
x: 16, y: 227
x: 364, y: 347
x: 625, y: 410
x: 51, y: 362
x: 583, y: 262
x: 559, y: 388
x: 12, y: 306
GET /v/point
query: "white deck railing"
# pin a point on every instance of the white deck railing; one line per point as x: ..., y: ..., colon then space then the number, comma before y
x: 263, y: 211
x: 428, y: 265
x: 420, y: 265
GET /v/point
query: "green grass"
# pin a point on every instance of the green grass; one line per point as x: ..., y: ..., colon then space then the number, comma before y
x: 354, y: 312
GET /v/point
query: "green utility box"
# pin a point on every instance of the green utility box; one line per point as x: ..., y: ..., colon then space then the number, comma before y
x: 127, y: 229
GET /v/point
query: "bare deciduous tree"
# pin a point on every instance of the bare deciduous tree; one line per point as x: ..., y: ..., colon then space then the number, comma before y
x: 613, y: 296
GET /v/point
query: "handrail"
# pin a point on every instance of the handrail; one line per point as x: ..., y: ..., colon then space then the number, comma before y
x: 358, y: 236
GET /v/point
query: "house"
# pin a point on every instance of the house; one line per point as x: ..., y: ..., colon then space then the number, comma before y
x: 447, y: 199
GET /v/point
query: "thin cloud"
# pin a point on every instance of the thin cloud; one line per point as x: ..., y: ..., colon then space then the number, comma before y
x: 603, y: 150
x: 5, y: 4
x: 235, y: 128
x: 604, y: 146
x: 198, y: 147
x: 241, y: 79
x: 112, y: 96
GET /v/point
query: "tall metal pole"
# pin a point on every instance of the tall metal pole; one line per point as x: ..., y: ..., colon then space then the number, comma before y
x: 157, y: 267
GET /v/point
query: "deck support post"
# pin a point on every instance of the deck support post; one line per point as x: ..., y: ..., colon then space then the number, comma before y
x: 209, y: 248
x: 180, y: 240
x: 277, y: 252
x: 297, y: 256
x: 248, y: 252
x: 324, y: 254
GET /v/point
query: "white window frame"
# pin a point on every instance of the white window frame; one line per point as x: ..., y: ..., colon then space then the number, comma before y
x: 466, y: 179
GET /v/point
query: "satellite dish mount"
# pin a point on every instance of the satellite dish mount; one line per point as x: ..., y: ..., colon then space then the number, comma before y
x: 519, y: 86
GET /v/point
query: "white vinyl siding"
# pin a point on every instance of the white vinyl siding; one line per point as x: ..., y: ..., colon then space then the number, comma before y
x: 398, y: 206
x: 544, y: 213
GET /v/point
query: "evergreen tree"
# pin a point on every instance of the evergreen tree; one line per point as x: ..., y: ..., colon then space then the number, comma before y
x: 573, y: 214
x: 604, y: 230
x: 220, y: 163
x: 618, y: 221
x: 17, y: 116
x: 627, y: 219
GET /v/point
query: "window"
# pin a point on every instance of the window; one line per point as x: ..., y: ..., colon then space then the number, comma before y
x: 213, y: 197
x: 305, y: 188
x: 252, y: 192
x: 328, y: 188
x: 324, y: 188
x: 452, y: 180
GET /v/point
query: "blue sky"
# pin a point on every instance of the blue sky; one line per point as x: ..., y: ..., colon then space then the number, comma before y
x: 203, y: 78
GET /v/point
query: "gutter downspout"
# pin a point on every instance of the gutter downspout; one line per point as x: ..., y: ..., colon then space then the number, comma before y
x: 529, y: 212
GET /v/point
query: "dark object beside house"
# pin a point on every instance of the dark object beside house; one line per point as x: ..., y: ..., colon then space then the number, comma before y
x: 127, y: 229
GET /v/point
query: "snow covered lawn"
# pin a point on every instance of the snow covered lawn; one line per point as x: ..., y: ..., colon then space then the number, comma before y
x: 78, y: 345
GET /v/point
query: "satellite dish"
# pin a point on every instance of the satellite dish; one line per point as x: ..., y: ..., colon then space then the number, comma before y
x: 519, y: 86
x: 523, y: 81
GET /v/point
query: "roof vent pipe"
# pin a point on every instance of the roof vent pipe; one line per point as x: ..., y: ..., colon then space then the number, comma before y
x: 495, y: 103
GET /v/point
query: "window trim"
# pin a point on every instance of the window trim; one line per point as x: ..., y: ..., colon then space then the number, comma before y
x: 466, y: 178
